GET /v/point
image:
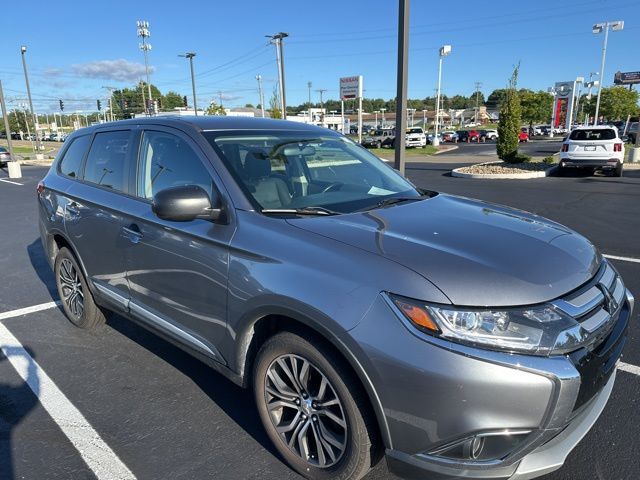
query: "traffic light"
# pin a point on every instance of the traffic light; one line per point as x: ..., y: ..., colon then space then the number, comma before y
x: 184, y: 100
x: 61, y: 105
x: 99, y: 105
x: 126, y: 104
x: 159, y: 103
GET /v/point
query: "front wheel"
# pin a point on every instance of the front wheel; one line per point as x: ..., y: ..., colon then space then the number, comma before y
x: 313, y: 410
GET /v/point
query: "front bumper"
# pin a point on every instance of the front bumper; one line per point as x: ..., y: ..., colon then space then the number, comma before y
x: 433, y: 392
x: 415, y: 143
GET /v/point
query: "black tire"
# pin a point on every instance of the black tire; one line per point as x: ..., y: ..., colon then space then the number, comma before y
x: 360, y: 445
x: 72, y: 287
x: 618, y: 171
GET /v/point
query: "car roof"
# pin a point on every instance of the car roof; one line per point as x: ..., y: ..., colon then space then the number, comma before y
x: 215, y: 122
x: 596, y: 127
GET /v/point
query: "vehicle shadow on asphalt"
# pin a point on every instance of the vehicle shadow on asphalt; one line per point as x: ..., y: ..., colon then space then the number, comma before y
x: 236, y: 402
x: 40, y: 265
x: 15, y: 404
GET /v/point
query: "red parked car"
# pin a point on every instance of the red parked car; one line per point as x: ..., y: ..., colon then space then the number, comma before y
x: 474, y: 136
x: 523, y: 136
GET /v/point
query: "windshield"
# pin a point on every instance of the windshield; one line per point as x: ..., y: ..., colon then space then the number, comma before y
x: 593, y: 134
x: 414, y: 130
x: 295, y: 170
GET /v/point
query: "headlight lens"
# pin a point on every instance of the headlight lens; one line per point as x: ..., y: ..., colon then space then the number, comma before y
x: 538, y: 331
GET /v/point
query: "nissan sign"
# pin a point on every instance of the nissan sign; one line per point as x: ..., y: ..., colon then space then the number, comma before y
x: 351, y: 87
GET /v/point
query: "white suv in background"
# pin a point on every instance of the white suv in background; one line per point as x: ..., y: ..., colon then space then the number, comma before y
x: 416, y: 137
x: 598, y: 147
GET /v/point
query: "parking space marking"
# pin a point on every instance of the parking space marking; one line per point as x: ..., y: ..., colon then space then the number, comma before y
x: 9, y: 181
x: 104, y: 463
x: 622, y: 259
x: 626, y: 367
x: 25, y: 311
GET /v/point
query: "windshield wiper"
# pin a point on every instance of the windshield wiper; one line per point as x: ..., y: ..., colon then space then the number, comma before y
x: 392, y: 201
x: 300, y: 211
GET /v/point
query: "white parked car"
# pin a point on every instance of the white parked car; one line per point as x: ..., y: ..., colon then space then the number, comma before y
x: 491, y: 134
x: 416, y: 137
x: 598, y: 148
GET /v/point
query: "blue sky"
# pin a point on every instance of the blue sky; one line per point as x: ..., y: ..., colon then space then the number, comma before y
x: 76, y: 48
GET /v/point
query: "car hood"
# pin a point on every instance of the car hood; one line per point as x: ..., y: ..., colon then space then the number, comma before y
x: 477, y: 253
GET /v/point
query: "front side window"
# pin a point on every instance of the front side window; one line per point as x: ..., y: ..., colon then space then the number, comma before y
x: 107, y: 163
x: 296, y: 169
x: 168, y: 161
x: 71, y: 163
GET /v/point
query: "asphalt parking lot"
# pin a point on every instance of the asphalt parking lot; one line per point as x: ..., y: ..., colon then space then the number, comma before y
x: 161, y: 414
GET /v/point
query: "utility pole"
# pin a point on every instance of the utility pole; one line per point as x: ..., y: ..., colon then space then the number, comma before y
x: 402, y: 83
x: 144, y: 33
x: 277, y: 41
x: 220, y: 96
x: 144, y: 100
x: 260, y: 93
x: 190, y: 56
x: 321, y: 92
x: 478, y: 85
x: 309, y: 84
x: 23, y: 50
x: 7, y: 129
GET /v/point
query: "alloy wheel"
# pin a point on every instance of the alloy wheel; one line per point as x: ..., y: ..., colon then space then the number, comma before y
x: 71, y: 288
x: 305, y: 410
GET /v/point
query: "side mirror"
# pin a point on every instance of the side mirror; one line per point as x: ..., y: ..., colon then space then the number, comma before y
x: 184, y: 203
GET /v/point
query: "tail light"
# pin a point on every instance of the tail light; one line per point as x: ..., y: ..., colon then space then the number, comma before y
x: 565, y: 147
x: 40, y: 187
x: 617, y: 147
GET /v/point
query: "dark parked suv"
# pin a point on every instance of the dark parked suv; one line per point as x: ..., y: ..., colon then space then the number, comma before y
x: 368, y: 316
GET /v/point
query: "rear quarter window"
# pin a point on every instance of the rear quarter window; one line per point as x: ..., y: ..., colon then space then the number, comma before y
x: 108, y: 160
x: 71, y: 162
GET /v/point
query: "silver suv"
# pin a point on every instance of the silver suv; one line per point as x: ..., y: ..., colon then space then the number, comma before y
x: 367, y: 316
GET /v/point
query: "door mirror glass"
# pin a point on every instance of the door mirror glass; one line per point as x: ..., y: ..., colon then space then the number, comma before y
x: 185, y: 203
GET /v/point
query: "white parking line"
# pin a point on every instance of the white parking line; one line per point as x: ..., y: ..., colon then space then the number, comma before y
x: 622, y: 259
x: 626, y: 367
x: 24, y: 311
x: 9, y: 181
x: 104, y: 463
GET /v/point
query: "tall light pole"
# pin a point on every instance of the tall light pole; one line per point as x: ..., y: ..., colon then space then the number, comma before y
x: 376, y: 112
x: 144, y: 33
x: 260, y: 93
x: 444, y: 51
x: 402, y: 84
x: 590, y: 84
x: 309, y: 85
x: 190, y: 56
x: 111, y: 90
x: 382, y: 121
x: 23, y: 50
x: 477, y: 85
x: 277, y: 41
x: 599, y: 28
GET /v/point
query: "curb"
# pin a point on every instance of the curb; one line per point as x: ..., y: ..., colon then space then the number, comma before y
x: 502, y: 176
x: 449, y: 148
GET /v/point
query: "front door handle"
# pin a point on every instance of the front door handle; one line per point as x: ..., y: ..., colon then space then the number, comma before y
x: 133, y: 233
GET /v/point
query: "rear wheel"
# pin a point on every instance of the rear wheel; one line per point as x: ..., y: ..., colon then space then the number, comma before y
x: 77, y: 301
x: 618, y: 171
x: 312, y: 409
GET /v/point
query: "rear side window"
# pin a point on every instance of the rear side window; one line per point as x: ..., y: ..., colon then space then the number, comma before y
x: 107, y: 163
x: 71, y: 163
x: 593, y: 134
x: 168, y: 161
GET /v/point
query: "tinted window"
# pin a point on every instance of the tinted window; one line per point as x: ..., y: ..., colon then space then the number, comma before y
x: 168, y: 161
x: 71, y: 163
x: 107, y: 163
x: 414, y: 130
x: 593, y: 134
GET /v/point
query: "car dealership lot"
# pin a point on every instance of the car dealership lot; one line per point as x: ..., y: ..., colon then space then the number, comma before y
x: 163, y: 414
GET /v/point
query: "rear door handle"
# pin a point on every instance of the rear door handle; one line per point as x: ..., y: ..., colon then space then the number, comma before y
x: 133, y: 233
x: 73, y: 208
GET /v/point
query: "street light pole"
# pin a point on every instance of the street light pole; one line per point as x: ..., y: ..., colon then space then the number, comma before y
x: 144, y: 33
x: 382, y: 121
x: 599, y: 28
x: 5, y: 116
x: 277, y: 41
x: 444, y: 51
x: 23, y: 50
x: 260, y: 93
x: 309, y: 84
x: 402, y: 84
x: 190, y: 56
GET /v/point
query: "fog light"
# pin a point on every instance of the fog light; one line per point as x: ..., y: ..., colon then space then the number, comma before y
x: 483, y: 446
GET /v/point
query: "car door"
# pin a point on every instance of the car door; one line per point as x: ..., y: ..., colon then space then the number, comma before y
x: 177, y: 271
x: 93, y: 217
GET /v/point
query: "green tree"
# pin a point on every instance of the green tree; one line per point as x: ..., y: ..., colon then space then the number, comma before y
x: 495, y: 99
x: 274, y: 104
x: 172, y: 100
x: 215, y: 109
x: 536, y: 106
x: 248, y: 105
x: 617, y: 102
x: 509, y: 125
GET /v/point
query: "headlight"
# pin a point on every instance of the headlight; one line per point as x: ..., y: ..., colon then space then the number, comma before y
x: 536, y: 331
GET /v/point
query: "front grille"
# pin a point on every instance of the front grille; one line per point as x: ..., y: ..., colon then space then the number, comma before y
x: 601, y: 309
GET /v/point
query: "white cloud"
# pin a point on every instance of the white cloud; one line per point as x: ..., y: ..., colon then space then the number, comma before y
x: 120, y: 70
